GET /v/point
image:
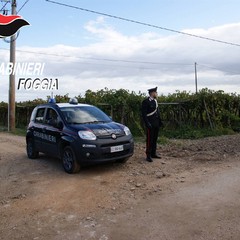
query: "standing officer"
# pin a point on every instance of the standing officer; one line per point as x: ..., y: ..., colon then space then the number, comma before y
x: 152, y: 120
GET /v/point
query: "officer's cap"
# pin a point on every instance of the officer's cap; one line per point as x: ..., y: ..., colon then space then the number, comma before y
x: 152, y: 90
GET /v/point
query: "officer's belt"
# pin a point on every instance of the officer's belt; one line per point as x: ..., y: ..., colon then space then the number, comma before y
x: 150, y: 114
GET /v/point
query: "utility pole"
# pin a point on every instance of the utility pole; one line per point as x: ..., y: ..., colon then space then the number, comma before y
x: 196, y: 84
x: 11, y: 100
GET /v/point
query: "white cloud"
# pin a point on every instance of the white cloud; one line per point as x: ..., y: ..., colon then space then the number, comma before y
x: 87, y: 67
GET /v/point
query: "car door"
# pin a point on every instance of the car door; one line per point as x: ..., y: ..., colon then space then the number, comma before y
x: 51, y: 133
x: 37, y: 127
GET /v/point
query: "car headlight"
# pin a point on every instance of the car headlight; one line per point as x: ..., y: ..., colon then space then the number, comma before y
x: 87, y: 135
x: 127, y: 131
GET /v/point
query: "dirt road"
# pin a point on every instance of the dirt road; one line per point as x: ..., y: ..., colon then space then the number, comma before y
x: 191, y: 193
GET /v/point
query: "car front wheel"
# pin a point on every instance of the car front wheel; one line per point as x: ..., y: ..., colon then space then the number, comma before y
x: 69, y: 161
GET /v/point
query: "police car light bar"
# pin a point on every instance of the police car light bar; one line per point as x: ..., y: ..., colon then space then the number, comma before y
x: 52, y: 100
x: 73, y: 101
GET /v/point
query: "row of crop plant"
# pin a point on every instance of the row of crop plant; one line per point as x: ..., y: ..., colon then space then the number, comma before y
x: 207, y: 109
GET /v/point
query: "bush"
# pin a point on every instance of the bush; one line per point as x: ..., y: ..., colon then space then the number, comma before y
x: 185, y: 115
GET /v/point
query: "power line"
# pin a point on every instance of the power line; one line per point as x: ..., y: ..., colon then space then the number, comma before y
x: 214, y: 68
x: 100, y: 59
x: 18, y: 10
x: 3, y: 8
x: 121, y: 60
x: 23, y: 5
x: 142, y: 23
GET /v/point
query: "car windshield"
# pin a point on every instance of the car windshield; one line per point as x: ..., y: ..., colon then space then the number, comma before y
x: 84, y: 114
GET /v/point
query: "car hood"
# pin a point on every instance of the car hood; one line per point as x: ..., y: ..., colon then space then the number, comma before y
x: 102, y: 129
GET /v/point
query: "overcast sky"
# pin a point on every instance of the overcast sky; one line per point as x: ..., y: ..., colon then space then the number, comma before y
x: 85, y: 51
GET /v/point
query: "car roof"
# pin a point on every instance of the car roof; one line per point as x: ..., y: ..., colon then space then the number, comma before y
x: 63, y: 105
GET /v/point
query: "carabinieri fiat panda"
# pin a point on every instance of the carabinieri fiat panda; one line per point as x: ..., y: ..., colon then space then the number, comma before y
x: 78, y: 134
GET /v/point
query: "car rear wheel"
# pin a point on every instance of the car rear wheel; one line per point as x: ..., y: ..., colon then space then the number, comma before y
x: 31, y: 152
x: 69, y: 161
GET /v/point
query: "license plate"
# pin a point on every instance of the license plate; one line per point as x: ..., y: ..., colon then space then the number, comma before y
x: 117, y: 148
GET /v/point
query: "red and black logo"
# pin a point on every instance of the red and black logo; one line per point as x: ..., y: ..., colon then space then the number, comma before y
x: 9, y: 25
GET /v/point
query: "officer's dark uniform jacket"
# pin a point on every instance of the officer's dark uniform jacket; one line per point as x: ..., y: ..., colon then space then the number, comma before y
x: 150, y: 113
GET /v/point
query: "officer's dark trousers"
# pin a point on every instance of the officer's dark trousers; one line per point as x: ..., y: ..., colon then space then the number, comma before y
x: 151, y: 143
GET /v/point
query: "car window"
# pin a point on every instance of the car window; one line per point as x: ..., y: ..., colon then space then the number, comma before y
x: 86, y: 114
x: 33, y: 114
x: 40, y: 115
x: 51, y: 117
